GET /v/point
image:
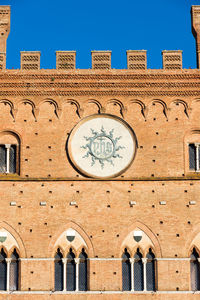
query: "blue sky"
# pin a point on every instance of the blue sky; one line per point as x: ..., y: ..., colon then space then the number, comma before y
x: 48, y: 25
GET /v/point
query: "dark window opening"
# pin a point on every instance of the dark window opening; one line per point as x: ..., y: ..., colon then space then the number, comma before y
x: 150, y: 271
x: 126, y: 271
x: 14, y: 271
x: 58, y: 271
x: 83, y: 271
x: 71, y: 271
x: 3, y: 270
x: 138, y: 272
x: 194, y: 271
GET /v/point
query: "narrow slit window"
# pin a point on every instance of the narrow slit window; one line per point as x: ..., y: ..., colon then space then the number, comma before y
x: 150, y: 271
x: 71, y: 271
x: 3, y: 270
x: 58, y: 264
x: 126, y: 271
x: 14, y: 271
x: 194, y: 271
x: 138, y: 272
x: 83, y: 271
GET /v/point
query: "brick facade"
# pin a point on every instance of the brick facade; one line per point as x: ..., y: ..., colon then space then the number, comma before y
x: 158, y: 194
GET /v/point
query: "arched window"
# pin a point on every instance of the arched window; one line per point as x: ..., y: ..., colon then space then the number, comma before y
x: 14, y: 271
x: 71, y: 271
x: 126, y: 271
x: 83, y: 271
x: 58, y: 271
x: 194, y: 271
x: 3, y: 270
x: 150, y: 271
x: 9, y: 152
x: 138, y: 272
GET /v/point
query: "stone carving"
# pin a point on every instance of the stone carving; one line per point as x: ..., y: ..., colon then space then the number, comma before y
x: 102, y: 147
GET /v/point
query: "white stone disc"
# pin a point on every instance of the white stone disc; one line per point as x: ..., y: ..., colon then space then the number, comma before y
x: 102, y: 146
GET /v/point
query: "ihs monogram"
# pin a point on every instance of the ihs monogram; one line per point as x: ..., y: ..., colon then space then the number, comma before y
x: 102, y: 147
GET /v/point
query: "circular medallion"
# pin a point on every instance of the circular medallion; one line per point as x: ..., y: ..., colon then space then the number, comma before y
x: 102, y: 146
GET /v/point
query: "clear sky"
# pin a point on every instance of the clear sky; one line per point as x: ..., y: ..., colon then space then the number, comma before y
x: 85, y: 25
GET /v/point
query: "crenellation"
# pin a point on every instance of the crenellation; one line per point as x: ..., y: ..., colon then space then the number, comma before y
x: 101, y: 60
x: 172, y: 60
x: 65, y: 60
x: 136, y: 59
x: 30, y: 60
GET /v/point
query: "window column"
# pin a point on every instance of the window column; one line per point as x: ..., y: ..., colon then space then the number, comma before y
x: 77, y: 261
x: 64, y: 261
x: 8, y: 261
x: 7, y: 146
x: 197, y: 156
x: 132, y: 273
x: 144, y: 260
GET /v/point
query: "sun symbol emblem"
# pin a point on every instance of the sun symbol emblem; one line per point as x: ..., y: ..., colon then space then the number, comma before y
x: 102, y: 147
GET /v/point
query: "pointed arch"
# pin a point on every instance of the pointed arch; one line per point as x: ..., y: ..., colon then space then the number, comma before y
x: 57, y: 109
x: 79, y: 250
x: 122, y: 108
x: 4, y: 249
x: 79, y: 229
x: 72, y: 250
x: 139, y: 249
x: 35, y: 110
x: 60, y: 250
x: 79, y: 109
x: 187, y: 109
x: 163, y: 104
x: 12, y: 250
x: 144, y: 109
x: 101, y: 109
x: 146, y: 230
x: 13, y: 232
x: 193, y: 241
x: 13, y: 110
x: 125, y: 247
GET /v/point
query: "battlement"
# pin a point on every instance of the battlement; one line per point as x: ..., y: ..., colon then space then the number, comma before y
x: 101, y: 60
